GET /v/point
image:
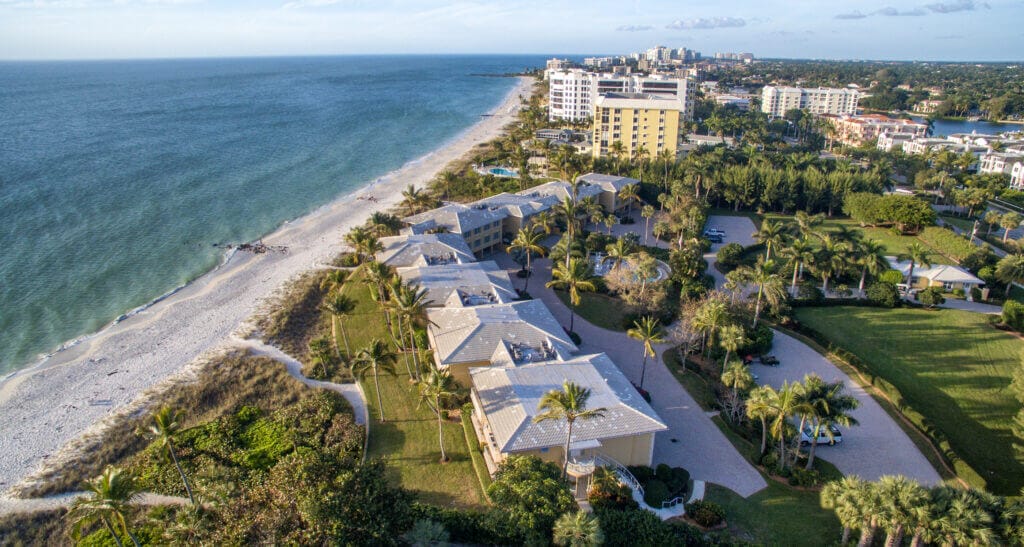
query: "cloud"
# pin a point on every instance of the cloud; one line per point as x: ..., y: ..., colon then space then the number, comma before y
x: 299, y: 4
x: 959, y: 5
x: 893, y: 12
x: 706, y: 23
x: 852, y: 15
x: 634, y: 28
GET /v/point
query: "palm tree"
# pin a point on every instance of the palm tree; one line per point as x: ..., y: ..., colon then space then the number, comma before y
x: 958, y: 518
x: 903, y: 502
x: 737, y: 376
x: 784, y: 403
x: 618, y: 252
x: 828, y: 405
x: 339, y: 306
x: 992, y: 220
x: 732, y: 338
x: 871, y: 259
x: 710, y: 316
x: 630, y: 193
x: 806, y: 223
x: 436, y: 390
x: 1010, y: 269
x: 830, y: 260
x: 647, y: 211
x: 649, y: 332
x: 770, y: 286
x: 569, y: 404
x: 917, y: 254
x: 528, y: 241
x: 771, y: 233
x: 1008, y: 222
x: 617, y: 150
x: 800, y: 252
x: 641, y: 153
x: 842, y: 497
x: 574, y: 277
x: 544, y: 221
x: 166, y: 424
x: 359, y: 238
x: 320, y: 349
x: 375, y: 359
x: 333, y: 280
x: 579, y: 529
x: 412, y: 199
x: 411, y: 305
x: 609, y: 221
x: 759, y: 407
x: 110, y: 494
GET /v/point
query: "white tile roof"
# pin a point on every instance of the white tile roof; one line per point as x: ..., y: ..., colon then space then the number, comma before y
x: 519, y: 205
x: 509, y: 397
x: 608, y: 183
x: 419, y: 250
x: 560, y: 190
x: 940, y: 273
x: 455, y: 217
x: 451, y: 284
x: 471, y: 334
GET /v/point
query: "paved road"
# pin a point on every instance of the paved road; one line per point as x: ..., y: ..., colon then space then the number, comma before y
x: 737, y: 230
x: 874, y: 448
x: 700, y: 446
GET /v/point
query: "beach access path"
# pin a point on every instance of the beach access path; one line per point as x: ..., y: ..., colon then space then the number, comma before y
x: 48, y: 406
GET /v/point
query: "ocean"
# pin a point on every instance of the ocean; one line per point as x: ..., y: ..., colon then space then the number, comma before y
x: 120, y: 179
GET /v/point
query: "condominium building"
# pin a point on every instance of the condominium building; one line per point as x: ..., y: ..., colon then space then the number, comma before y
x: 651, y: 122
x: 856, y: 130
x: 1001, y: 162
x: 573, y: 93
x: 1017, y: 176
x: 479, y: 225
x: 776, y: 100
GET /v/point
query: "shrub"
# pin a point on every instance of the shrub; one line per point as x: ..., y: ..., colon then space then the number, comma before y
x: 988, y: 275
x: 805, y: 478
x: 892, y: 276
x: 759, y: 341
x: 809, y: 293
x: 1013, y: 315
x: 663, y: 472
x: 655, y: 492
x: 883, y: 294
x: 729, y: 256
x: 705, y: 513
x: 679, y: 480
x: 931, y: 297
x: 958, y: 293
x: 975, y: 294
x: 978, y: 259
x: 635, y: 527
x: 641, y: 472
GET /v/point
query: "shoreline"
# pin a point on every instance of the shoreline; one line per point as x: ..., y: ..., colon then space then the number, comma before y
x: 68, y: 393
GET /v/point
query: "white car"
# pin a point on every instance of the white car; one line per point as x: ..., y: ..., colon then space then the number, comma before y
x: 807, y: 435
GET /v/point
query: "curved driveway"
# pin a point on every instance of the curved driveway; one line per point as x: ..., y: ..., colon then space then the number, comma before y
x: 874, y: 448
x: 699, y: 445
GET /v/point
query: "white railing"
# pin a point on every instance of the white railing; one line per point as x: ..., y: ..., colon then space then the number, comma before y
x: 621, y: 471
x: 668, y: 504
x: 580, y: 468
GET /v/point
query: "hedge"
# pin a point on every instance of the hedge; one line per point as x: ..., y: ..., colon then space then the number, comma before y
x: 479, y: 465
x: 922, y: 423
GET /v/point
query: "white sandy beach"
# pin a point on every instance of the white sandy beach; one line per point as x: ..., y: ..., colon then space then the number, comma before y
x: 46, y: 407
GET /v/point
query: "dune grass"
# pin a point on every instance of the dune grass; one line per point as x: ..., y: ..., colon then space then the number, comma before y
x: 408, y: 440
x: 950, y: 366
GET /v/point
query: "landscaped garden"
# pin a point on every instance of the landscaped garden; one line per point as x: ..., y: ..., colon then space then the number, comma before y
x: 950, y: 366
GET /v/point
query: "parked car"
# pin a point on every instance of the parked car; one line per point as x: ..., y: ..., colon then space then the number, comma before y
x: 769, y: 360
x: 714, y: 232
x: 824, y: 437
x: 714, y: 238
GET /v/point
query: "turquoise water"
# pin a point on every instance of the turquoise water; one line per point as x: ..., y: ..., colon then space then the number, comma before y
x: 117, y: 179
x: 502, y: 172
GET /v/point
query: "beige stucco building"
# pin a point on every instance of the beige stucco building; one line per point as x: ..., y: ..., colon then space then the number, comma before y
x: 637, y: 120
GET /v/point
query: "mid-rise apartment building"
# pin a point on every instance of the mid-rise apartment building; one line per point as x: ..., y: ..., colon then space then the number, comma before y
x: 856, y: 130
x: 776, y: 100
x: 653, y: 122
x: 573, y: 93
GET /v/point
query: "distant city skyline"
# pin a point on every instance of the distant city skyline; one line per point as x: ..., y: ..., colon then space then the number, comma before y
x: 953, y: 30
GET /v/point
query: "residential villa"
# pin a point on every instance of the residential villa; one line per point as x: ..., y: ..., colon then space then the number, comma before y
x: 945, y: 276
x: 1000, y: 162
x: 856, y: 130
x: 610, y: 186
x: 479, y: 225
x: 424, y: 250
x: 495, y: 335
x: 505, y: 402
x: 461, y: 285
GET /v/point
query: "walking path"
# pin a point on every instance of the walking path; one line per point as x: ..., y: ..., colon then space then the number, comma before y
x: 693, y: 441
x: 352, y: 393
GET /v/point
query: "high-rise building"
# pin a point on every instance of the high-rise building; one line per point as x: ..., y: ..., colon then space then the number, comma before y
x: 573, y: 93
x: 776, y: 101
x: 637, y: 120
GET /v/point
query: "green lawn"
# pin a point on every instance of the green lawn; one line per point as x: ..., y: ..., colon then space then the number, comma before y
x: 894, y: 244
x: 777, y: 515
x: 598, y: 309
x: 960, y: 222
x: 950, y: 366
x: 408, y: 440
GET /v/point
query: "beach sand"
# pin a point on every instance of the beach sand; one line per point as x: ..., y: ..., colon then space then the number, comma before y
x: 47, y: 407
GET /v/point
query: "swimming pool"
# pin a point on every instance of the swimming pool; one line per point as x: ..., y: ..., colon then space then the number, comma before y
x: 502, y: 172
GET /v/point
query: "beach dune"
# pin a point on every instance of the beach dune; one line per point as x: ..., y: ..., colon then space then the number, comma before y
x: 47, y: 407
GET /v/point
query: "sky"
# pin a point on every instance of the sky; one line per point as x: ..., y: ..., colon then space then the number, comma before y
x: 957, y: 30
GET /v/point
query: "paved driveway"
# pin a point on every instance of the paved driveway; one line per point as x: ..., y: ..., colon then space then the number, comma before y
x: 874, y: 448
x: 700, y: 446
x: 737, y: 230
